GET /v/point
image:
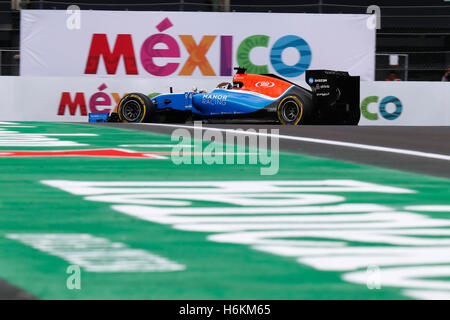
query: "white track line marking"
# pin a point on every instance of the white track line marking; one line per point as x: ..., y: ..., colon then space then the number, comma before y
x: 429, y: 208
x: 66, y: 134
x: 49, y: 134
x: 156, y: 145
x: 320, y: 141
x: 155, y: 156
x: 17, y: 127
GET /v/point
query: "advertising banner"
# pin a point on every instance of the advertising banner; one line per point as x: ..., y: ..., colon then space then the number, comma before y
x: 405, y: 103
x: 193, y: 44
x: 72, y: 99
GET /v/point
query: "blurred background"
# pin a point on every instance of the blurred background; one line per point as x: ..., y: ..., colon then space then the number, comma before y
x: 413, y: 43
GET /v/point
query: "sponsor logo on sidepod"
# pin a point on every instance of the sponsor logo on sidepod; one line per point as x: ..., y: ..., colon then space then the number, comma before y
x: 267, y: 84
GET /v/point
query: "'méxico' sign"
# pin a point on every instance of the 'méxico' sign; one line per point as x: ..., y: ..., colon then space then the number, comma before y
x: 193, y: 44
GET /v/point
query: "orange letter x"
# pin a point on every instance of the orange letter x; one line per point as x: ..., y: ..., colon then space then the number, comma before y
x: 197, y: 55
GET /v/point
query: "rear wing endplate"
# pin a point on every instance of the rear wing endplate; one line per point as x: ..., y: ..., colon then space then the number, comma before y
x: 333, y: 87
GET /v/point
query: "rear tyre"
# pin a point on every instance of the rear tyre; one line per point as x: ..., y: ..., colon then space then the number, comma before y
x: 292, y: 111
x: 135, y: 107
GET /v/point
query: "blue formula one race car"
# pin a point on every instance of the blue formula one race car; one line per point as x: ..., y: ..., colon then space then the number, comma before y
x: 333, y: 99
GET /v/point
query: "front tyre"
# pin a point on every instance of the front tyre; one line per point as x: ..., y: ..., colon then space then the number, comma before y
x: 291, y: 110
x: 135, y: 107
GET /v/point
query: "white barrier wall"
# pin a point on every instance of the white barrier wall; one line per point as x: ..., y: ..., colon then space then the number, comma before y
x: 71, y: 99
x: 405, y: 103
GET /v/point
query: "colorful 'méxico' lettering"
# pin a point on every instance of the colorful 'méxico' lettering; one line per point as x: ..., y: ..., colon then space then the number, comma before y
x: 151, y: 48
x: 98, y: 102
x: 66, y: 101
x: 100, y: 48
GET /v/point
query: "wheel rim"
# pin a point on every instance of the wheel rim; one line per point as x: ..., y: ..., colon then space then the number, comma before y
x: 290, y: 111
x: 131, y: 111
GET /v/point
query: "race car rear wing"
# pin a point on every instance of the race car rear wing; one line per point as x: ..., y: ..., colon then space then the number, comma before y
x: 331, y: 88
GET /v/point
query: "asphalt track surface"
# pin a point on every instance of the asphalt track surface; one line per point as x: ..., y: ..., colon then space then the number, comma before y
x: 10, y: 292
x: 426, y: 140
